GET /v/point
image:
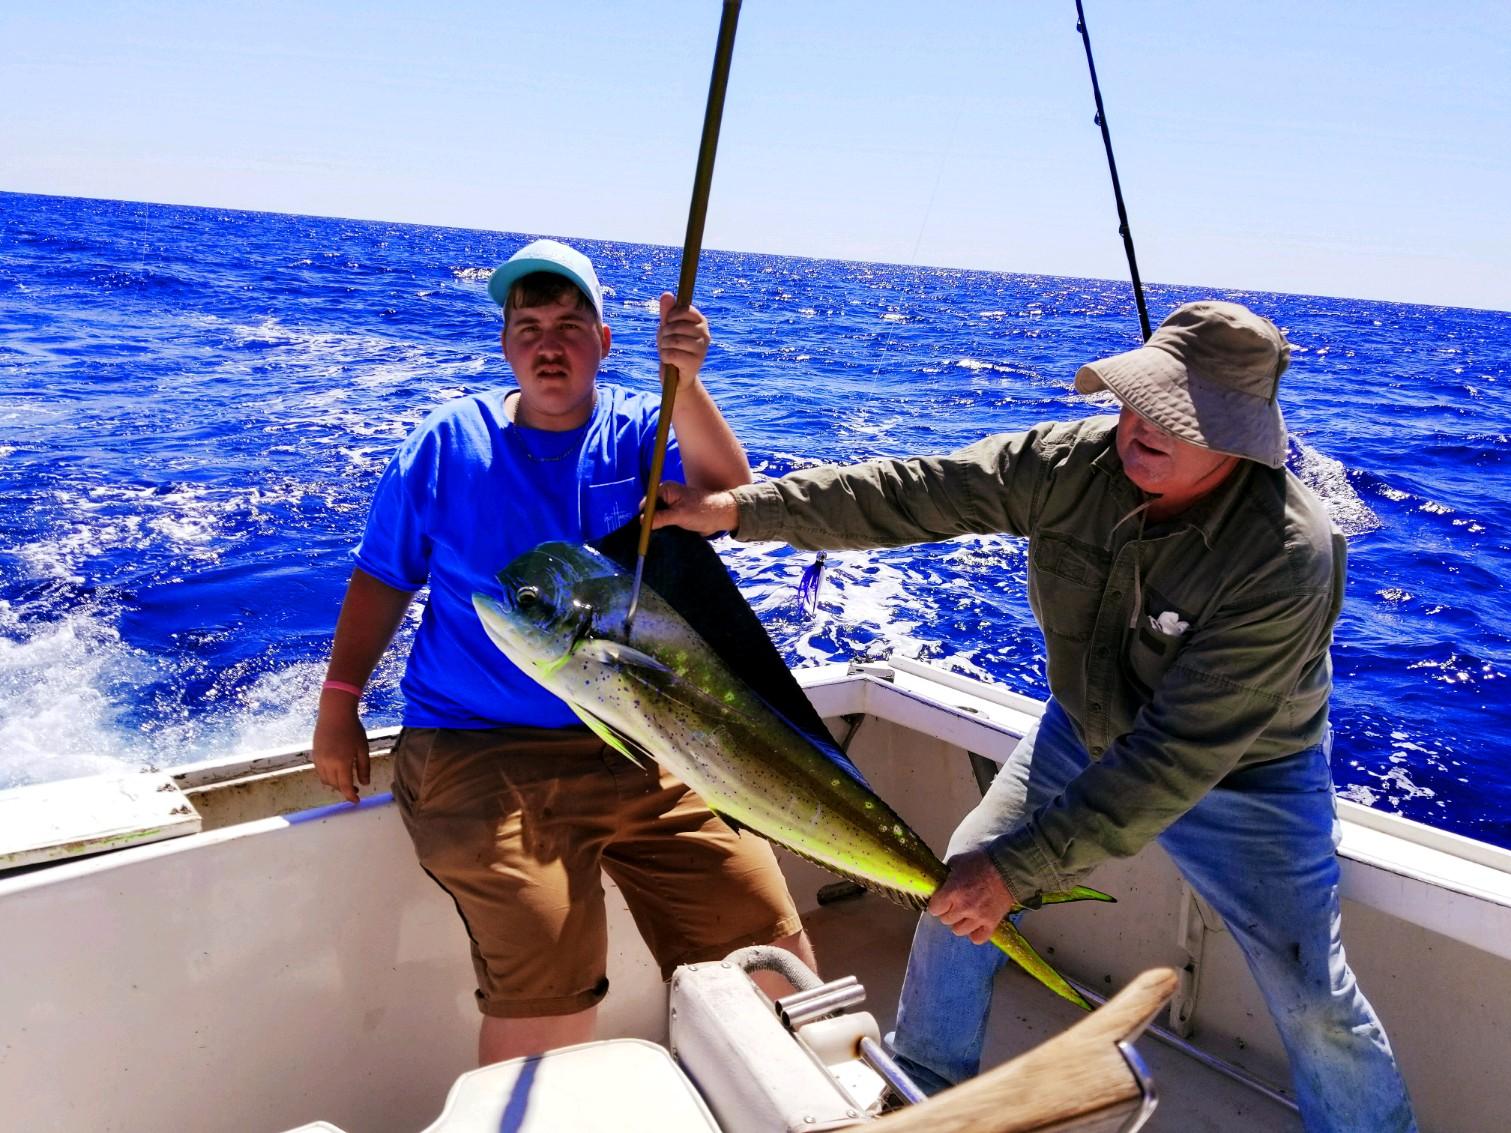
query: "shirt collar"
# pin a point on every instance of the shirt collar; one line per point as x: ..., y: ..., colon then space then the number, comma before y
x: 1207, y: 515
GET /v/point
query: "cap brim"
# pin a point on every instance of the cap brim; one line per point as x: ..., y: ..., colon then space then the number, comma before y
x: 505, y: 276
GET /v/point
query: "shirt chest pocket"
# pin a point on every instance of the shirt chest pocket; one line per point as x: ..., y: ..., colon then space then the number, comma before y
x: 611, y: 505
x: 1069, y: 579
x: 1152, y: 646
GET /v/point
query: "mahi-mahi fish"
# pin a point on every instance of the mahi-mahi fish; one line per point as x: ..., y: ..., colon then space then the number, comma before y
x: 667, y: 696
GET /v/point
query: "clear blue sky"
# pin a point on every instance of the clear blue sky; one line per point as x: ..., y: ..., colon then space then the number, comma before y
x: 1336, y: 148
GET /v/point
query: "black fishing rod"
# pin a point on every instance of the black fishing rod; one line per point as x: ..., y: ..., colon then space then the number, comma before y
x: 1112, y: 165
x: 691, y: 247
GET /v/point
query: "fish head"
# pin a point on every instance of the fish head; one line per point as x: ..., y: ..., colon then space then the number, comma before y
x: 551, y: 599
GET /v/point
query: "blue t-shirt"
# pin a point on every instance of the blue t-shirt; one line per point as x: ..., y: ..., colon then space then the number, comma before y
x: 467, y: 492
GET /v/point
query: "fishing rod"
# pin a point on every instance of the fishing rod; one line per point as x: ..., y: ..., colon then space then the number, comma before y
x: 691, y: 247
x: 1112, y: 165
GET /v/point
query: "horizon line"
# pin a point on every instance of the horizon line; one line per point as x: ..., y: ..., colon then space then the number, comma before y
x: 775, y: 255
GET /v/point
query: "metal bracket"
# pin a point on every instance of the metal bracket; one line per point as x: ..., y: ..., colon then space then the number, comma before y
x: 1197, y: 919
x: 1145, y: 1080
x: 984, y: 769
x: 878, y: 669
x: 853, y: 721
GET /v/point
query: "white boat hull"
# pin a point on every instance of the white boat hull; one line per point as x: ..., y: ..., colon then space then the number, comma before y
x: 272, y: 971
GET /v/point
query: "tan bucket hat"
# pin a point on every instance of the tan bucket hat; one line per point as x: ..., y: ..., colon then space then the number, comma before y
x: 1209, y: 375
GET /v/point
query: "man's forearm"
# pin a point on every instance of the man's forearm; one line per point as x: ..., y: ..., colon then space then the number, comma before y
x: 882, y: 503
x: 370, y: 616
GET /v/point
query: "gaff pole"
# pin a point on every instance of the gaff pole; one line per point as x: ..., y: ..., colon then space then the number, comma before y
x: 691, y: 248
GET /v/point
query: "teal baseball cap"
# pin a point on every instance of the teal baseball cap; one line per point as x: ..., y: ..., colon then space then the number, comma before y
x: 552, y: 256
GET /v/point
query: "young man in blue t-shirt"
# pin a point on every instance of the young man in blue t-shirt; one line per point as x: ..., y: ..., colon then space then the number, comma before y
x: 512, y: 805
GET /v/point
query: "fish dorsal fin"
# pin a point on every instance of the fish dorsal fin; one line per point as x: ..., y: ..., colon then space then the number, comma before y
x: 828, y: 747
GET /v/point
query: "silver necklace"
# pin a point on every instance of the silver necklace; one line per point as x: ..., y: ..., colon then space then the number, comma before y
x: 540, y: 458
x: 520, y: 434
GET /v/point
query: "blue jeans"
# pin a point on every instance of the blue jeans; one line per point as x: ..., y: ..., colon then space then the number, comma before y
x: 1260, y: 849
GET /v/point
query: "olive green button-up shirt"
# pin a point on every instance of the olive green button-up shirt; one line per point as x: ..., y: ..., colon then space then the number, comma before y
x: 1181, y: 650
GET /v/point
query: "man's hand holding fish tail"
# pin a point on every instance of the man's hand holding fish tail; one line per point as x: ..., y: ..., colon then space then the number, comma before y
x: 973, y: 899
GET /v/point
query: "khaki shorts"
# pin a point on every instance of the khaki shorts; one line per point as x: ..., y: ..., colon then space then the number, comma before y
x: 516, y: 823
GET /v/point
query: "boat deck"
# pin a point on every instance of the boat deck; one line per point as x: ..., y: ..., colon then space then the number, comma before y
x: 868, y: 937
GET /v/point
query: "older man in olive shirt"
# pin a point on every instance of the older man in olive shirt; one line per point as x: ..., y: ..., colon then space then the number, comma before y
x: 1187, y: 587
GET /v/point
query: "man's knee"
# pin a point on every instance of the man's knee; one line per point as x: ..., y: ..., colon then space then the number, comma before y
x: 800, y: 946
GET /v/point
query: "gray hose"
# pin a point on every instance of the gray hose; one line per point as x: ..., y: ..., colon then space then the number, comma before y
x: 770, y: 958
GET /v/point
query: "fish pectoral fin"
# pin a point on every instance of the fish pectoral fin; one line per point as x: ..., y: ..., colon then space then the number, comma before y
x: 614, y: 738
x: 619, y: 655
x: 656, y: 679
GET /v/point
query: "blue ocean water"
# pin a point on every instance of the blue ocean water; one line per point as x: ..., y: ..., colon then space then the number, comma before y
x: 196, y: 403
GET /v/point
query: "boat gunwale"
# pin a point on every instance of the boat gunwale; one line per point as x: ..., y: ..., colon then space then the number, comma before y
x: 1389, y: 862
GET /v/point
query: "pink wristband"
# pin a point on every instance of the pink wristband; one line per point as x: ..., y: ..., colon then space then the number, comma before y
x: 342, y: 686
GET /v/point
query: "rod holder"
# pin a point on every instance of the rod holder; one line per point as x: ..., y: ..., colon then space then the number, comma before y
x: 823, y: 1001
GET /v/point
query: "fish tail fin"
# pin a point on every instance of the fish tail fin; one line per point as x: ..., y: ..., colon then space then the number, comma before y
x: 1022, y: 953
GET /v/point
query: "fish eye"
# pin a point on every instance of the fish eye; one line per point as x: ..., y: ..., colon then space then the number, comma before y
x: 526, y: 596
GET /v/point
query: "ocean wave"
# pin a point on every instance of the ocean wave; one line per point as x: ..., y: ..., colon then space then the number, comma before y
x: 72, y: 689
x: 874, y: 604
x: 62, y: 685
x: 1330, y: 480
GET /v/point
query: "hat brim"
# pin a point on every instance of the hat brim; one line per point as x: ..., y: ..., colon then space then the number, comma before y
x: 1158, y: 386
x: 505, y: 276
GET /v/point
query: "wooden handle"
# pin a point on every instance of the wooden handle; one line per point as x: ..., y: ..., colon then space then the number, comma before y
x: 1077, y: 1080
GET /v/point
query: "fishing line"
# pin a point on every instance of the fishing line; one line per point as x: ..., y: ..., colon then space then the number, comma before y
x: 928, y: 209
x: 808, y: 587
x: 811, y: 582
